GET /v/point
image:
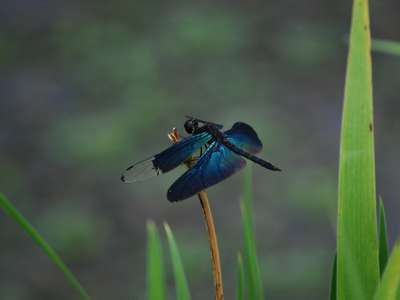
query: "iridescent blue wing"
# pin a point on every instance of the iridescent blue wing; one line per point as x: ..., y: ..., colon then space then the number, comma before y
x: 243, y: 140
x: 243, y: 136
x: 173, y: 156
x: 215, y: 165
x: 166, y: 160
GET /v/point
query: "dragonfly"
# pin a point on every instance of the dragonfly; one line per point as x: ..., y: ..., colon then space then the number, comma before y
x: 222, y: 153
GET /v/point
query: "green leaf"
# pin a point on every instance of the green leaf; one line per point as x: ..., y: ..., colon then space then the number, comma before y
x: 182, y: 289
x: 240, y: 279
x: 333, y: 279
x: 386, y: 46
x: 155, y: 265
x: 389, y: 287
x: 383, y: 240
x: 255, y: 289
x: 11, y: 211
x: 357, y: 253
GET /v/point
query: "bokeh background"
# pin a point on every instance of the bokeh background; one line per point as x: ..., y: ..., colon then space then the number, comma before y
x: 87, y: 87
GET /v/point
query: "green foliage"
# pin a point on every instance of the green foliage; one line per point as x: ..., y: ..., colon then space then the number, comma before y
x: 12, y: 212
x: 383, y: 240
x: 386, y: 46
x: 240, y: 278
x: 333, y: 279
x: 389, y: 288
x: 357, y: 253
x: 253, y: 280
x: 182, y: 289
x: 155, y: 265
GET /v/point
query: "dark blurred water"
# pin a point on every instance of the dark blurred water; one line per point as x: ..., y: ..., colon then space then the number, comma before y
x: 88, y: 87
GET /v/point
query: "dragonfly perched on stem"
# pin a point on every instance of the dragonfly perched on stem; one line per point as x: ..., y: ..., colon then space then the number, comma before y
x: 222, y: 154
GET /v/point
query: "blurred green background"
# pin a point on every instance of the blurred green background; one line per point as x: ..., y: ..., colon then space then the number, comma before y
x: 87, y: 87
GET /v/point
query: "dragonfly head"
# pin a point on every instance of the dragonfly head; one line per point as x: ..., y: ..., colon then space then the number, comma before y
x: 193, y: 122
x: 191, y: 125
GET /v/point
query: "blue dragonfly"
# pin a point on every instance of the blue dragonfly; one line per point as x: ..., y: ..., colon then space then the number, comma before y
x: 222, y: 154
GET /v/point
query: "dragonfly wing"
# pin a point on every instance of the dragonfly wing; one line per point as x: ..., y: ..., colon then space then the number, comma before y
x: 166, y: 160
x: 244, y: 136
x: 173, y: 156
x: 215, y: 165
x: 140, y: 171
x: 243, y: 140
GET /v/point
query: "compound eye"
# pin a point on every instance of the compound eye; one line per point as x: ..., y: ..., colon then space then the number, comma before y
x: 189, y: 126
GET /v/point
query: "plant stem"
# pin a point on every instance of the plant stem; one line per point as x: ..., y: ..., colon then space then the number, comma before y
x: 212, y: 238
x: 209, y: 220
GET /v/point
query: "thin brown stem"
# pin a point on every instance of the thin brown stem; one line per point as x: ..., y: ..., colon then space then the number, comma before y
x: 212, y: 238
x: 212, y: 234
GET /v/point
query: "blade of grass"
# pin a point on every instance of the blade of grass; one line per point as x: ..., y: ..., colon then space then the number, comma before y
x: 252, y: 269
x: 333, y: 278
x: 14, y: 214
x: 389, y: 288
x: 155, y: 265
x: 386, y: 46
x: 240, y: 278
x: 182, y: 289
x: 357, y: 254
x: 383, y: 240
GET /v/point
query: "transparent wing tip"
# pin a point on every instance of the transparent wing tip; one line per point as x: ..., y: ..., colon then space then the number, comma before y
x: 140, y: 171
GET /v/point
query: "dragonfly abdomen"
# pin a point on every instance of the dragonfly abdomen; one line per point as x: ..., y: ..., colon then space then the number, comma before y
x: 249, y: 156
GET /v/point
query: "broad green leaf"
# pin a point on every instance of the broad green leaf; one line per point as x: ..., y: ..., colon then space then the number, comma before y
x: 333, y: 279
x: 182, y: 289
x: 155, y: 264
x: 254, y: 286
x: 357, y: 253
x: 11, y: 211
x: 240, y: 279
x: 389, y: 287
x: 383, y: 240
x: 386, y: 46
